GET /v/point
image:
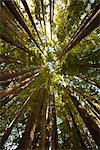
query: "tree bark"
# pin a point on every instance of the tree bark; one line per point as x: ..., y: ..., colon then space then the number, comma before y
x: 4, y: 75
x: 11, y: 6
x: 97, y: 84
x: 92, y: 105
x: 92, y: 126
x: 10, y: 90
x: 93, y: 108
x: 89, y: 27
x: 83, y: 146
x: 90, y: 65
x: 54, y: 126
x: 43, y: 130
x: 28, y: 135
x: 8, y: 59
x: 11, y: 96
x: 31, y: 19
x: 85, y: 22
x: 12, y: 42
x: 15, y: 120
x: 42, y: 5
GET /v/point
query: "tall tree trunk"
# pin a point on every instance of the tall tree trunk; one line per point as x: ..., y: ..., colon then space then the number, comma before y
x: 10, y: 90
x: 50, y: 4
x: 42, y: 5
x: 11, y: 96
x: 54, y: 126
x: 4, y: 75
x: 85, y: 21
x: 90, y: 123
x: 31, y: 19
x: 43, y: 130
x: 16, y: 79
x: 15, y: 120
x: 8, y: 59
x: 28, y: 135
x: 71, y: 143
x: 89, y: 80
x: 47, y: 142
x: 93, y: 107
x: 11, y: 6
x: 89, y: 27
x: 90, y: 65
x: 83, y: 146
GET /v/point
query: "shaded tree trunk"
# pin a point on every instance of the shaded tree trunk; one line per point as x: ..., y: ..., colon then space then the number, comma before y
x: 89, y: 81
x: 43, y: 130
x: 85, y: 21
x: 92, y: 126
x: 47, y: 144
x: 92, y: 105
x: 88, y: 28
x: 11, y: 74
x: 89, y: 102
x: 8, y: 59
x: 28, y: 135
x: 11, y: 6
x: 11, y: 96
x: 10, y: 90
x: 42, y: 5
x: 83, y: 146
x: 50, y: 3
x: 30, y: 17
x: 90, y: 65
x: 54, y: 126
x: 15, y: 120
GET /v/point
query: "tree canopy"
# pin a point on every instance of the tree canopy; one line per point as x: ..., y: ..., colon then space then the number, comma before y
x: 49, y: 74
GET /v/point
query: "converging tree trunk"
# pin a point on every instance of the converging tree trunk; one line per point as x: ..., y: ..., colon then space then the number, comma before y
x: 15, y: 120
x: 28, y: 135
x: 90, y: 123
x: 54, y: 126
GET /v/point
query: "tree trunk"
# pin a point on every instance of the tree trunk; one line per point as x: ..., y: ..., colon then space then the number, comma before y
x: 10, y: 90
x: 6, y: 82
x: 14, y: 121
x: 97, y: 84
x: 20, y: 85
x: 54, y: 126
x: 42, y: 5
x: 30, y: 17
x: 8, y: 59
x: 90, y: 65
x: 11, y: 96
x: 89, y: 27
x: 11, y: 6
x: 28, y: 135
x: 4, y: 75
x: 50, y: 3
x: 92, y: 126
x: 83, y: 146
x: 85, y: 22
x: 47, y: 142
x: 12, y: 42
x: 92, y: 105
x: 43, y: 130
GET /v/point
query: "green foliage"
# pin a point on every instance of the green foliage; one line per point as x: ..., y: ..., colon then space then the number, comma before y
x: 52, y: 71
